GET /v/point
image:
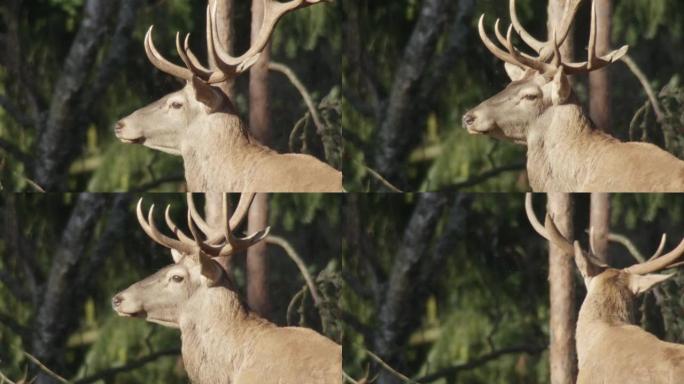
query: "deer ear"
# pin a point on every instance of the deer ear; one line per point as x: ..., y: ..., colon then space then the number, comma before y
x: 560, y: 87
x: 177, y: 256
x: 642, y: 283
x: 514, y: 72
x: 582, y: 261
x: 211, y: 97
x: 210, y: 269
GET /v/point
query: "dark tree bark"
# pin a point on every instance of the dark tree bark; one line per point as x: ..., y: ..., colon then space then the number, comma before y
x: 400, y: 116
x: 52, y: 148
x: 258, y: 297
x: 562, y: 354
x: 393, y: 134
x: 600, y: 109
x: 600, y: 223
x: 57, y: 291
x: 53, y: 321
x: 260, y: 127
x: 400, y: 294
x: 60, y: 121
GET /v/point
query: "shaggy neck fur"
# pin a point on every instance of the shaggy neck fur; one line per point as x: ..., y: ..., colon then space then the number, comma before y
x: 227, y: 149
x: 560, y: 137
x: 610, y: 305
x: 217, y: 338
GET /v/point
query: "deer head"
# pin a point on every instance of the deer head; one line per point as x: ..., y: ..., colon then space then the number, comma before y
x: 160, y: 297
x: 165, y: 124
x: 539, y: 82
x: 611, y: 292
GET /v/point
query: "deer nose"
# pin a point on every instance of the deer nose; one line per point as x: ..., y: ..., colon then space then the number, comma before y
x: 117, y: 300
x: 119, y: 127
x: 469, y: 119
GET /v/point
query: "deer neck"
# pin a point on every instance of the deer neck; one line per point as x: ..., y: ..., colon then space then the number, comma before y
x: 599, y: 312
x: 214, y: 314
x: 219, y: 152
x: 561, y: 137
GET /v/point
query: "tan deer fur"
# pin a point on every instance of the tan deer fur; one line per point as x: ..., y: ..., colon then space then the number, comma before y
x: 218, y: 152
x: 565, y: 152
x: 611, y: 349
x: 201, y: 124
x: 222, y: 340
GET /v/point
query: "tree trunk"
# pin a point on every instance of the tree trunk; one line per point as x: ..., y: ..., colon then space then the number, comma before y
x: 257, y: 260
x: 56, y: 136
x: 562, y: 354
x: 52, y: 322
x: 213, y: 201
x: 396, y: 311
x: 600, y: 109
x: 600, y: 224
x: 259, y: 126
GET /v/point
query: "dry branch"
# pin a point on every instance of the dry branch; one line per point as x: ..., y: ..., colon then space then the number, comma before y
x: 289, y: 250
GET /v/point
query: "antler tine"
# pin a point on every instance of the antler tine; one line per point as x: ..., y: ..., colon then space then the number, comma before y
x: 592, y: 241
x: 201, y: 223
x: 236, y: 244
x: 660, y: 249
x: 522, y: 32
x: 190, y: 59
x: 241, y: 210
x: 521, y: 58
x: 493, y: 48
x: 210, y: 250
x: 666, y: 261
x: 549, y: 231
x: 174, y: 228
x: 592, y: 37
x: 594, y: 61
x: 273, y: 11
x: 152, y: 231
x: 567, y: 20
x: 161, y: 63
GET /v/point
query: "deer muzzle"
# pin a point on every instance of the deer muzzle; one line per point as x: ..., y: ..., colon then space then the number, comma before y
x: 126, y: 135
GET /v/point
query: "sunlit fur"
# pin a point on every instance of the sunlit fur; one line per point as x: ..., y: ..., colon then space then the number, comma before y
x: 565, y: 153
x: 218, y: 153
x: 611, y: 349
x: 222, y: 341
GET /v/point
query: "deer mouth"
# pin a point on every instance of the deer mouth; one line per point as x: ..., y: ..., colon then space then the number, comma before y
x: 139, y: 140
x: 141, y: 314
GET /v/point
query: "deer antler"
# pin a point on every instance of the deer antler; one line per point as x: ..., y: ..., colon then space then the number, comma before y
x: 659, y: 263
x: 273, y: 11
x: 656, y: 263
x: 548, y: 57
x: 229, y: 66
x: 227, y: 245
x: 550, y: 232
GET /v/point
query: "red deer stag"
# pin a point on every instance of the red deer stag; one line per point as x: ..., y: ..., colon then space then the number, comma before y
x: 565, y: 153
x: 222, y: 341
x: 610, y: 348
x: 201, y: 124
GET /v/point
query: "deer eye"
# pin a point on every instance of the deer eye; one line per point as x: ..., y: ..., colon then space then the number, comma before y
x: 530, y: 97
x: 176, y: 278
x: 176, y: 105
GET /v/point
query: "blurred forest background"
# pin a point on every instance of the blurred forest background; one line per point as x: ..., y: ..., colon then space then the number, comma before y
x: 60, y: 268
x: 71, y: 68
x: 407, y: 85
x: 453, y: 288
